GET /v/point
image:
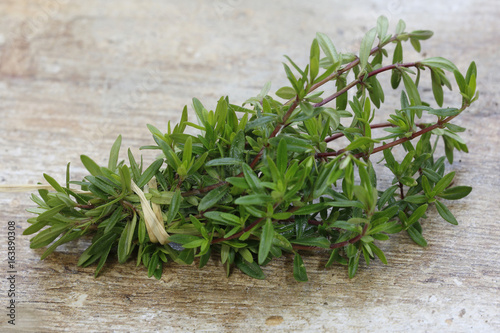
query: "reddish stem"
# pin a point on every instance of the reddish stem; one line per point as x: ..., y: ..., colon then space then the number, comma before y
x: 439, y: 124
x: 363, y: 77
x: 351, y: 65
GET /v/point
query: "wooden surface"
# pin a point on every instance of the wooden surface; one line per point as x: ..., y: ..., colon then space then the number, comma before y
x: 74, y: 75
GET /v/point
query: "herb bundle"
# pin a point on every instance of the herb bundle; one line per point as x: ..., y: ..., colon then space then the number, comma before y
x: 267, y: 178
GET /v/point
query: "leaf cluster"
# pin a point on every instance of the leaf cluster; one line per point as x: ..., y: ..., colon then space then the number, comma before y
x: 266, y: 179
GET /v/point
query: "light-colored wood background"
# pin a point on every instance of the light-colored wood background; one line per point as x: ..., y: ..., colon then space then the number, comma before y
x: 74, y: 75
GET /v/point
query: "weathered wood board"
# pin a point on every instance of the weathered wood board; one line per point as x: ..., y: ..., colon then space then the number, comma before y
x: 74, y: 75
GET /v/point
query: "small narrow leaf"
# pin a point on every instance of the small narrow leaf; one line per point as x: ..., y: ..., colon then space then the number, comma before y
x: 445, y: 213
x: 266, y: 240
x: 286, y: 92
x: 440, y: 62
x: 113, y: 155
x: 188, y: 149
x: 417, y: 214
x: 252, y: 180
x: 212, y: 197
x: 411, y: 89
x: 416, y: 236
x: 443, y: 183
x: 251, y: 269
x: 149, y: 173
x: 299, y: 269
x: 91, y: 166
x: 174, y: 206
x: 327, y: 46
x: 382, y: 26
x: 222, y: 161
x: 366, y: 46
x: 455, y: 193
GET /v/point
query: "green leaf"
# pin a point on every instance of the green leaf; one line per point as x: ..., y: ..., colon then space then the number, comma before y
x: 400, y: 27
x: 252, y: 180
x: 223, y: 161
x: 416, y: 199
x: 314, y: 60
x: 299, y: 269
x: 237, y: 148
x: 113, y: 155
x: 125, y: 178
x: 417, y: 214
x: 253, y: 199
x: 353, y: 265
x: 91, y: 166
x: 266, y: 240
x: 445, y: 213
x: 103, y: 184
x: 312, y: 241
x: 35, y: 227
x: 238, y: 182
x: 327, y: 46
x: 440, y: 62
x: 286, y: 93
x: 382, y: 26
x: 444, y: 112
x: 307, y: 108
x: 294, y: 144
x: 460, y: 81
x: 411, y: 89
x: 174, y: 206
x: 421, y: 34
x: 47, y: 214
x: 125, y: 241
x: 198, y: 109
x: 200, y: 161
x: 113, y: 219
x: 397, y: 57
x: 149, y: 173
x: 379, y: 253
x: 416, y: 236
x: 416, y: 44
x: 212, y: 198
x: 251, y: 269
x: 259, y: 122
x: 67, y: 237
x: 310, y: 209
x: 282, y: 157
x: 183, y: 238
x: 133, y: 165
x: 188, y: 150
x: 172, y: 158
x: 246, y: 255
x: 291, y: 77
x: 359, y: 142
x: 53, y: 183
x: 455, y: 193
x: 437, y: 89
x: 341, y: 101
x: 443, y: 183
x: 366, y: 46
x: 102, y: 260
x: 282, y: 216
x: 194, y: 244
x: 408, y: 181
x: 104, y: 242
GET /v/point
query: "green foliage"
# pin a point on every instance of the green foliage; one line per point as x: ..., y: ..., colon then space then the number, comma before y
x: 265, y: 179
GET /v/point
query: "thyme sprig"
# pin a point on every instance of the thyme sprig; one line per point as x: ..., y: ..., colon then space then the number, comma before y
x: 248, y: 188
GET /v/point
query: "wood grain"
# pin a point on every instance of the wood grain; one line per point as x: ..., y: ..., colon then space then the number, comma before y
x: 74, y: 75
